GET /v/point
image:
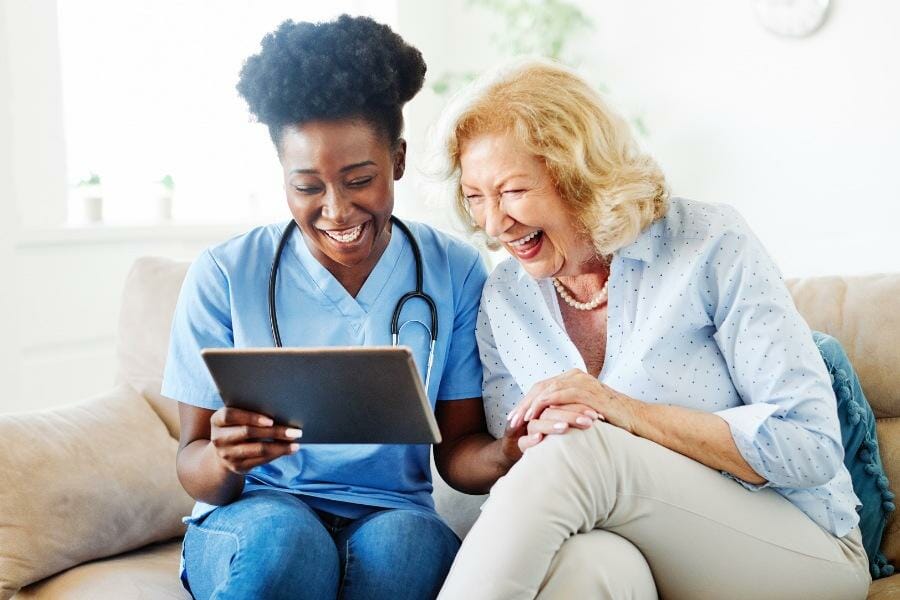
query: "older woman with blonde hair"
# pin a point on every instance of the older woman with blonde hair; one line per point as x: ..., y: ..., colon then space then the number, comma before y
x: 676, y: 432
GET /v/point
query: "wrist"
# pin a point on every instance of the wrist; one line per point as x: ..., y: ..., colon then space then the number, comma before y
x: 637, y: 417
x: 509, y: 454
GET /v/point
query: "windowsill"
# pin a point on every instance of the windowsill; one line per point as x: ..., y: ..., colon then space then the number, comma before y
x: 125, y: 233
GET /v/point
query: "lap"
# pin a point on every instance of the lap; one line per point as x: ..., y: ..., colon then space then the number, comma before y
x: 695, y: 526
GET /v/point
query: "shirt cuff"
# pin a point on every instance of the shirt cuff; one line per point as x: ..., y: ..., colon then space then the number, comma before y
x: 745, y: 421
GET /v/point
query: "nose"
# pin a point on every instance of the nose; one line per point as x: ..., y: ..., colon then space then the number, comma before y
x: 335, y: 207
x: 496, y: 220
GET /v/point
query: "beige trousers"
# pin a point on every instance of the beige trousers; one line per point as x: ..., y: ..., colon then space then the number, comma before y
x: 605, y: 514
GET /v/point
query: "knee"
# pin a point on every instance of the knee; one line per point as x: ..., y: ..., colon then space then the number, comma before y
x: 415, y: 548
x: 559, y: 460
x: 410, y: 532
x: 599, y: 564
x: 265, y: 543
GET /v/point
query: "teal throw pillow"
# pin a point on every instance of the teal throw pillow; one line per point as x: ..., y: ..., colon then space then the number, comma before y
x: 861, y: 454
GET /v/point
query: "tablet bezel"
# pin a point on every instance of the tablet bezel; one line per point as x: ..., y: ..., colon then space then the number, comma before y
x: 252, y: 379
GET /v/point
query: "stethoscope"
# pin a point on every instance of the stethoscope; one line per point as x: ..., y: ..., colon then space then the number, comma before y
x: 395, y: 320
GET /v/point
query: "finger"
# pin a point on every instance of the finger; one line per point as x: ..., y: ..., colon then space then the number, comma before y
x: 237, y: 416
x: 273, y: 451
x: 515, y: 430
x: 240, y: 434
x: 574, y: 418
x: 560, y: 396
x: 582, y: 409
x: 536, y: 390
x: 545, y: 427
x: 529, y: 441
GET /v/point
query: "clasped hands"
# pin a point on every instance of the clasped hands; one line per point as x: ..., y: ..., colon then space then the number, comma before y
x: 572, y: 400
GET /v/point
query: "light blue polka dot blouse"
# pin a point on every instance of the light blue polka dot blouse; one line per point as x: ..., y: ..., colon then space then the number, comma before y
x: 698, y: 316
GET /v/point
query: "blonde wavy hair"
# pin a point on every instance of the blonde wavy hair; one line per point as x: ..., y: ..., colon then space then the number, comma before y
x: 614, y: 190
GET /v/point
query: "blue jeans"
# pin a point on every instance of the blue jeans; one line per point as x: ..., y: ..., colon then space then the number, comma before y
x: 271, y: 544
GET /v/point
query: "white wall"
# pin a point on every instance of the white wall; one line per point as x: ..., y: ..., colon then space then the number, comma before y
x: 802, y: 135
x: 8, y: 226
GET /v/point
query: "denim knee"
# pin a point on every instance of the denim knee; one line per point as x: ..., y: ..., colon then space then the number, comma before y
x: 266, y: 544
x: 397, y: 554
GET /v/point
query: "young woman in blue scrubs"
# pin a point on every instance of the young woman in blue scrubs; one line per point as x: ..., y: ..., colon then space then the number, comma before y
x: 275, y: 518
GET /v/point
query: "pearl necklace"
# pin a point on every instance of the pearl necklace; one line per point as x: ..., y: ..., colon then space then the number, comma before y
x: 599, y: 299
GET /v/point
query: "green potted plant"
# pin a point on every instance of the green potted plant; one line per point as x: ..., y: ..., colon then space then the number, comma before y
x: 91, y: 194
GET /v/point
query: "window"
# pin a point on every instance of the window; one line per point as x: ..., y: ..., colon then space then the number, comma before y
x: 149, y: 91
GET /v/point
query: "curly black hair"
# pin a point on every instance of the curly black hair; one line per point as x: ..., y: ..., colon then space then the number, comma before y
x: 352, y: 67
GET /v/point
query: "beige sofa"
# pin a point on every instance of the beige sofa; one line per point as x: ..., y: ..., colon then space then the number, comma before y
x: 90, y: 505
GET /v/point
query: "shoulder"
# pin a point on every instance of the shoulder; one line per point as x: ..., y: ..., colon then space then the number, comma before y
x: 441, y: 248
x: 255, y: 247
x: 505, y: 284
x: 696, y: 231
x: 689, y: 219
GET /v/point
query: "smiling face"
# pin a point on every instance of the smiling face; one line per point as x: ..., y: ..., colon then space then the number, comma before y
x: 511, y: 195
x: 339, y: 181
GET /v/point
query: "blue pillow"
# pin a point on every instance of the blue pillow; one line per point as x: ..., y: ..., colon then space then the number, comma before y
x: 860, y: 452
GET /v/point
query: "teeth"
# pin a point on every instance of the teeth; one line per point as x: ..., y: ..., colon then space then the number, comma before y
x: 526, y: 239
x: 345, y: 236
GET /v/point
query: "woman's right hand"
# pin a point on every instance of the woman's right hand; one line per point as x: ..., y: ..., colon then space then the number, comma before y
x: 243, y: 439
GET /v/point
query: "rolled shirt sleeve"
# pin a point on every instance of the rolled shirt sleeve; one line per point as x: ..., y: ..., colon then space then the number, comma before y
x: 787, y: 430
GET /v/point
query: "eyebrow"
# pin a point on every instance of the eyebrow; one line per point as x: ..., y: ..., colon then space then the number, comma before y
x: 500, y: 183
x: 364, y: 163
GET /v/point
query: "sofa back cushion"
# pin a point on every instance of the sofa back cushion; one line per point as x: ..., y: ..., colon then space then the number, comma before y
x: 148, y: 305
x: 863, y: 313
x: 82, y: 482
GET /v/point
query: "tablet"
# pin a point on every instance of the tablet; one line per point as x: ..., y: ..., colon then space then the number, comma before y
x: 336, y: 395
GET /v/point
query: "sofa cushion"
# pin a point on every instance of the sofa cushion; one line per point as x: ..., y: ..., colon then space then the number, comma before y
x: 148, y: 304
x: 863, y: 313
x: 889, y: 442
x: 885, y: 589
x: 151, y: 572
x: 861, y: 454
x: 83, y: 482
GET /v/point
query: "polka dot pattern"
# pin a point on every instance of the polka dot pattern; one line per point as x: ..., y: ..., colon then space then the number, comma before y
x: 698, y: 316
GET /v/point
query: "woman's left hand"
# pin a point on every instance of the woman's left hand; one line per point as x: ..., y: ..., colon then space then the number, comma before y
x: 577, y: 387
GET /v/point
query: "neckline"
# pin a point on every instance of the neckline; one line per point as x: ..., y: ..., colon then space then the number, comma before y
x: 328, y: 285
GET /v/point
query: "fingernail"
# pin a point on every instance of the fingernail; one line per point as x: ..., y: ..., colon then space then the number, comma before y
x: 293, y: 433
x: 584, y: 421
x: 560, y: 426
x: 528, y: 414
x: 536, y: 436
x: 592, y: 414
x: 266, y: 421
x: 510, y: 416
x: 295, y: 447
x: 601, y: 417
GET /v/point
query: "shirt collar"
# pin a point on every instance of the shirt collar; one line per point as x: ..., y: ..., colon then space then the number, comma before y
x: 641, y: 248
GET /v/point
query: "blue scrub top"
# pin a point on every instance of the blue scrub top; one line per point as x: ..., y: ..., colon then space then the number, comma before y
x: 223, y: 304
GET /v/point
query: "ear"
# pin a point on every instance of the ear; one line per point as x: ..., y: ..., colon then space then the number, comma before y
x: 399, y: 159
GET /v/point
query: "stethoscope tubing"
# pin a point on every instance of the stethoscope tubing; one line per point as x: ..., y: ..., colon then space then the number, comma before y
x: 418, y: 292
